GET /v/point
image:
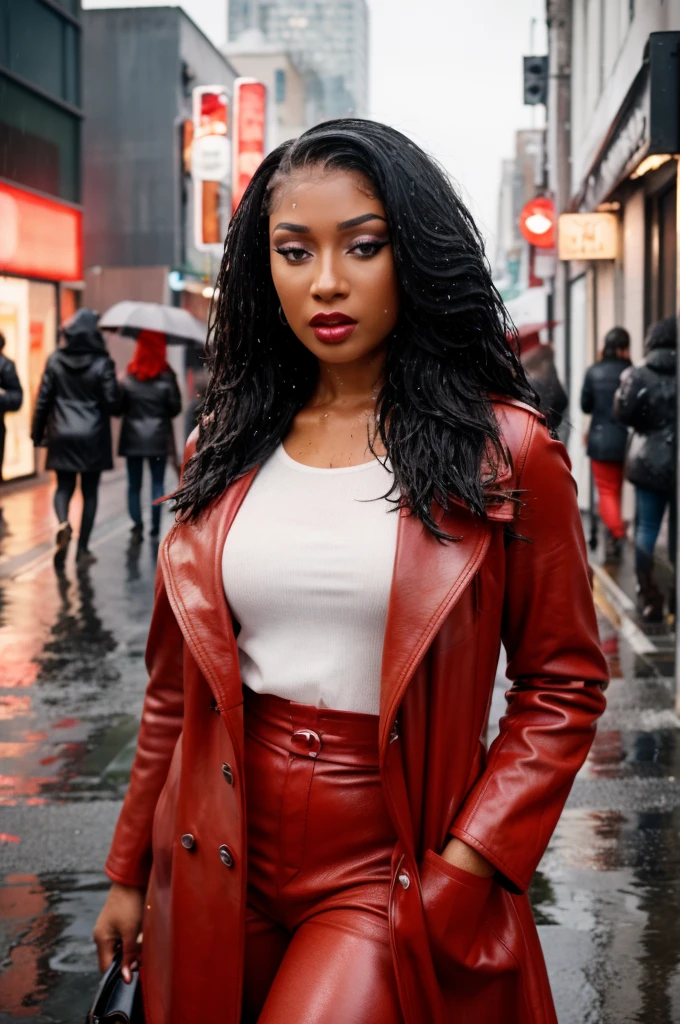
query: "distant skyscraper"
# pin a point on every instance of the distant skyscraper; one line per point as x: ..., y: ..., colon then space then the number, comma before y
x: 326, y: 38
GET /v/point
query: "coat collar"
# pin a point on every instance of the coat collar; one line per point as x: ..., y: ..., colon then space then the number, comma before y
x: 428, y: 579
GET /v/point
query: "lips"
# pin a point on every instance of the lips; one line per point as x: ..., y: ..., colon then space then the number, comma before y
x: 332, y: 327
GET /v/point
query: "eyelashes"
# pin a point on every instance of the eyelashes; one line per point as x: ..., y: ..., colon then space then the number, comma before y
x: 362, y: 248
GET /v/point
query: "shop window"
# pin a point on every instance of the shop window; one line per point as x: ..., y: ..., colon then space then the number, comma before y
x: 28, y: 320
x: 39, y: 143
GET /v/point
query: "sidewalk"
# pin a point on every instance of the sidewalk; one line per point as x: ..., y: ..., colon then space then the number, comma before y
x: 615, y: 596
x: 27, y: 542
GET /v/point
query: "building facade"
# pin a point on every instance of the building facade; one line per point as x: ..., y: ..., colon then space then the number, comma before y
x: 327, y: 40
x: 40, y: 193
x: 620, y: 157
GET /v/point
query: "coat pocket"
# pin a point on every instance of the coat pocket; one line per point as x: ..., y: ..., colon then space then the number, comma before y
x: 454, y: 902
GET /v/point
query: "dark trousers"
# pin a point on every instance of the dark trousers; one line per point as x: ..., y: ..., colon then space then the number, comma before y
x: 649, y: 510
x: 135, y: 468
x: 89, y: 486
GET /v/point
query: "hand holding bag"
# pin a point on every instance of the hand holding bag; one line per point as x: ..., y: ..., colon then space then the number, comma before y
x: 116, y: 1002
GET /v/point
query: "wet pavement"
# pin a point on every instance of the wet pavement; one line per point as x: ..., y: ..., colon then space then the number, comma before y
x: 607, y: 895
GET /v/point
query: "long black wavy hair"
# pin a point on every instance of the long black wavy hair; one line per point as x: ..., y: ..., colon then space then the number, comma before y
x: 452, y: 348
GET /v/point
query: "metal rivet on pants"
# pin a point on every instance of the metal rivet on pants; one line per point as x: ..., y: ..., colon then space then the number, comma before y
x: 404, y: 881
x: 228, y: 773
x: 188, y: 841
x: 310, y: 739
x: 226, y: 857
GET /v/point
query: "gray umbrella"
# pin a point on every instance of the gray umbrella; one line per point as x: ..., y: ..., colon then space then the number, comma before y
x: 176, y: 324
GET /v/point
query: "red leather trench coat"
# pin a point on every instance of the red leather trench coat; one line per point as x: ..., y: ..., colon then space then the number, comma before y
x: 460, y: 955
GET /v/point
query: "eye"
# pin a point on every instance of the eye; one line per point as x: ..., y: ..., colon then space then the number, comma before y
x: 293, y: 253
x: 366, y: 248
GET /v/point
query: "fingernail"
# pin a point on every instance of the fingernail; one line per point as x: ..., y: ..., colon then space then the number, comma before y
x: 134, y: 966
x: 127, y: 977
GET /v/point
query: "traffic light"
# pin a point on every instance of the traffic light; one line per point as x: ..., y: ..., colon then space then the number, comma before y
x: 535, y: 80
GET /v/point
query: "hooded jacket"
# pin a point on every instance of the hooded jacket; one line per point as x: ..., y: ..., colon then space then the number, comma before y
x: 78, y: 395
x: 460, y: 953
x: 646, y: 401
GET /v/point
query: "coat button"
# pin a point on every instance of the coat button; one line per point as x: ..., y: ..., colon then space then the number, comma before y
x: 404, y: 880
x: 228, y: 773
x: 226, y: 857
x: 188, y: 841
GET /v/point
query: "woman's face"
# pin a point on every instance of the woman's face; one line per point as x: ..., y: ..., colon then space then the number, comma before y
x: 332, y: 264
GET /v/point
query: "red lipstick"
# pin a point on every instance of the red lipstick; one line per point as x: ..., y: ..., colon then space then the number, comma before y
x: 332, y: 327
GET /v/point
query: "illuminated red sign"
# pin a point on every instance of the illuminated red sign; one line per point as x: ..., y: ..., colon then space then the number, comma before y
x: 537, y: 222
x: 39, y: 237
x: 250, y: 104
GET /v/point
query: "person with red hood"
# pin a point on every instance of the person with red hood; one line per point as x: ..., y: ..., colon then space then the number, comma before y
x: 151, y: 400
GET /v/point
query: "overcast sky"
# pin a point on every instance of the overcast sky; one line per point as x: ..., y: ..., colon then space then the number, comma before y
x: 448, y: 73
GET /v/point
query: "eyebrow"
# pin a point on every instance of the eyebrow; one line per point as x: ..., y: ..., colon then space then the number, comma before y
x: 302, y: 229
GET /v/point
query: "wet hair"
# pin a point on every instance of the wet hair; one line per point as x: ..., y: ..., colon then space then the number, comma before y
x: 615, y: 341
x: 453, y: 346
x: 662, y: 334
x: 2, y: 341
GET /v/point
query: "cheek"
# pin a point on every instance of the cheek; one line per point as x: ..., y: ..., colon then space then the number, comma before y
x: 380, y: 291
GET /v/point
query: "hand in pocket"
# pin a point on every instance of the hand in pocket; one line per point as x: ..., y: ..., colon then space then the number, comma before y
x: 454, y: 902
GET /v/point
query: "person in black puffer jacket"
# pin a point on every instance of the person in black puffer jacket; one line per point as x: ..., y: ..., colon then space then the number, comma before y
x: 646, y: 401
x: 78, y: 395
x: 151, y: 400
x: 606, y: 445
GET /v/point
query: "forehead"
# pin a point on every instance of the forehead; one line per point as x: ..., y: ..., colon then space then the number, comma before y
x: 314, y: 194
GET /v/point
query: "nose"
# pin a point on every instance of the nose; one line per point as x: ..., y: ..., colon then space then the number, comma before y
x: 329, y: 281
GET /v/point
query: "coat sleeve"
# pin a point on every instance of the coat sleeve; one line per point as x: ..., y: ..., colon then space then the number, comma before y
x: 174, y: 398
x: 110, y: 389
x: 129, y: 860
x: 628, y: 399
x: 11, y: 392
x: 587, y: 395
x: 557, y: 672
x: 43, y: 406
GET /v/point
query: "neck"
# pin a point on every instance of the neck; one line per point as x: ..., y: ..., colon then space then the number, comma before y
x: 350, y: 383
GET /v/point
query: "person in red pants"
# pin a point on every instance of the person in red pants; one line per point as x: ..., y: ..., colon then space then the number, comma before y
x: 606, y: 442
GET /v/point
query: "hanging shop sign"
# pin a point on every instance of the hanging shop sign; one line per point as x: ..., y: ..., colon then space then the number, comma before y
x: 39, y: 238
x: 588, y: 236
x: 250, y: 105
x: 210, y: 150
x: 537, y: 222
x: 648, y: 121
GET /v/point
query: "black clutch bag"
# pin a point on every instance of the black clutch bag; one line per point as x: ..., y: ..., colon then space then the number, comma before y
x: 116, y: 1002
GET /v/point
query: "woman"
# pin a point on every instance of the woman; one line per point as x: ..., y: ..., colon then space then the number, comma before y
x: 312, y: 815
x: 72, y: 418
x: 606, y: 441
x: 151, y: 400
x: 646, y: 401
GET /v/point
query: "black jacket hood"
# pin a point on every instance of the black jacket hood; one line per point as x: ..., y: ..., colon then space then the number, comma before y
x: 663, y: 360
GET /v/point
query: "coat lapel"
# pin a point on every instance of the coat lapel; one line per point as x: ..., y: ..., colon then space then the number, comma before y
x: 191, y: 563
x: 429, y: 578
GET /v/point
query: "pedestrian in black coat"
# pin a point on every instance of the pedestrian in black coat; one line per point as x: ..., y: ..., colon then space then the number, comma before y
x: 78, y: 395
x: 150, y: 400
x: 539, y: 364
x: 646, y: 401
x: 607, y: 437
x: 11, y: 394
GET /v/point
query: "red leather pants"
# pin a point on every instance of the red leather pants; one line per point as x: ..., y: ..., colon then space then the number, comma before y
x: 320, y: 843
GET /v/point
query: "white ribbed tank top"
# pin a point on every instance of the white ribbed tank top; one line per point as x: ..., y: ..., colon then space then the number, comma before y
x: 307, y: 568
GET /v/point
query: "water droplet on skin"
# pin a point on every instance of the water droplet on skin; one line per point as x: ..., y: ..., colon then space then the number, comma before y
x: 294, y: 205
